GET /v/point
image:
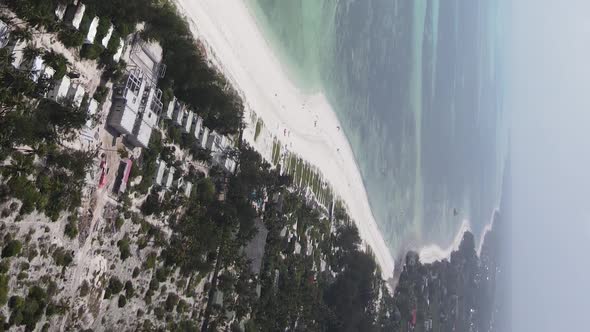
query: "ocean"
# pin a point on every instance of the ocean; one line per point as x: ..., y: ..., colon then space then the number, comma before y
x: 417, y: 87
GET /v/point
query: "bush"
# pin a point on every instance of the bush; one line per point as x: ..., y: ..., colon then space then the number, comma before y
x: 150, y: 261
x: 100, y: 95
x: 129, y: 290
x: 84, y: 289
x: 115, y: 285
x: 90, y: 51
x: 71, y: 38
x: 171, y: 301
x: 71, y: 229
x: 12, y: 248
x: 122, y: 301
x: 135, y: 272
x: 123, y: 245
x: 62, y: 258
x: 3, y: 289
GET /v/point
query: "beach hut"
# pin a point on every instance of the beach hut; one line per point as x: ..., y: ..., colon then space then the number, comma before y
x: 160, y: 172
x: 78, y: 16
x: 59, y: 89
x: 198, y: 125
x: 4, y: 34
x: 36, y: 68
x: 76, y: 94
x: 188, y: 122
x: 91, y: 111
x: 92, y: 29
x: 60, y: 11
x: 204, y: 137
x: 170, y: 177
x: 117, y: 55
x: 107, y: 37
x: 170, y: 109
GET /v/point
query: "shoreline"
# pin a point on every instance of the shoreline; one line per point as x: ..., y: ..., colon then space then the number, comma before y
x: 243, y: 55
x: 431, y: 253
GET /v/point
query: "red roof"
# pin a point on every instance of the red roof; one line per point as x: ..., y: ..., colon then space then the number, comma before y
x: 413, y: 317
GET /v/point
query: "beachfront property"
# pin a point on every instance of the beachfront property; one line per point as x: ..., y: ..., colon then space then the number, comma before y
x: 47, y: 72
x: 170, y: 109
x: 91, y: 111
x: 76, y: 94
x: 213, y: 142
x: 187, y: 188
x: 105, y: 40
x: 203, y: 138
x: 59, y: 89
x: 4, y: 34
x: 161, y: 169
x: 35, y: 67
x: 197, y: 127
x: 77, y: 16
x: 17, y: 51
x: 60, y: 11
x: 179, y: 114
x: 187, y: 122
x: 148, y: 58
x: 136, y: 109
x: 170, y: 177
x: 92, y: 29
x: 119, y: 53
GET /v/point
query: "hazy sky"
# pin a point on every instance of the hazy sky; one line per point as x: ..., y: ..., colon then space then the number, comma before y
x: 549, y: 97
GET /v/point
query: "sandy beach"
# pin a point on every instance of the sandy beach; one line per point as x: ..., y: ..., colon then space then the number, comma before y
x: 305, y: 124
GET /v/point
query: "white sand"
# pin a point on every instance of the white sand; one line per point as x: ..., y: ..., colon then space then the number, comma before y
x: 239, y: 49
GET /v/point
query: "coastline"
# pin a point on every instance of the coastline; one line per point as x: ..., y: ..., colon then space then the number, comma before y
x: 241, y: 52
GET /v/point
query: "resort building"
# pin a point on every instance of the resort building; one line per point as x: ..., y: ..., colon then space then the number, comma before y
x: 105, y: 40
x: 203, y: 138
x: 170, y: 177
x: 91, y: 35
x: 161, y: 169
x: 91, y: 111
x: 179, y: 114
x: 78, y: 15
x: 35, y: 68
x: 17, y: 51
x: 59, y: 89
x: 188, y: 122
x: 4, y: 34
x: 170, y: 109
x: 197, y: 127
x: 76, y: 94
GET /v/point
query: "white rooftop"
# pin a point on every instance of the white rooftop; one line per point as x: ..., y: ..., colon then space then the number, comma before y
x: 188, y: 187
x: 188, y: 122
x: 198, y: 125
x: 160, y: 172
x: 60, y: 89
x: 170, y: 109
x: 91, y: 110
x: 143, y: 134
x: 107, y: 37
x: 48, y: 72
x: 117, y: 55
x: 91, y: 35
x: 36, y: 68
x: 78, y: 16
x: 76, y: 94
x: 4, y: 34
x: 60, y: 11
x: 204, y: 138
x: 170, y: 177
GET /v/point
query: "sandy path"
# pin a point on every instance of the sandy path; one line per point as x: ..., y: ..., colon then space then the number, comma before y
x: 237, y: 46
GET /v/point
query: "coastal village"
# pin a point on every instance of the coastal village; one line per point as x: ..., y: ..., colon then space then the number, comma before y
x: 126, y: 204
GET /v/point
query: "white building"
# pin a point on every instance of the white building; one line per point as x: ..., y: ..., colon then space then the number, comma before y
x: 107, y: 37
x: 36, y: 68
x: 91, y: 111
x: 198, y: 124
x: 203, y: 138
x: 170, y: 109
x: 59, y: 89
x: 47, y: 72
x: 117, y: 55
x: 188, y: 122
x: 4, y: 34
x: 160, y: 172
x: 60, y: 11
x: 179, y: 114
x: 170, y: 177
x: 188, y: 187
x: 76, y: 94
x: 91, y: 35
x: 126, y: 104
x: 78, y: 15
x: 17, y: 50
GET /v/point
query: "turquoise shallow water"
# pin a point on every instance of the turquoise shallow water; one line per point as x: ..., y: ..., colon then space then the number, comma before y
x: 417, y: 88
